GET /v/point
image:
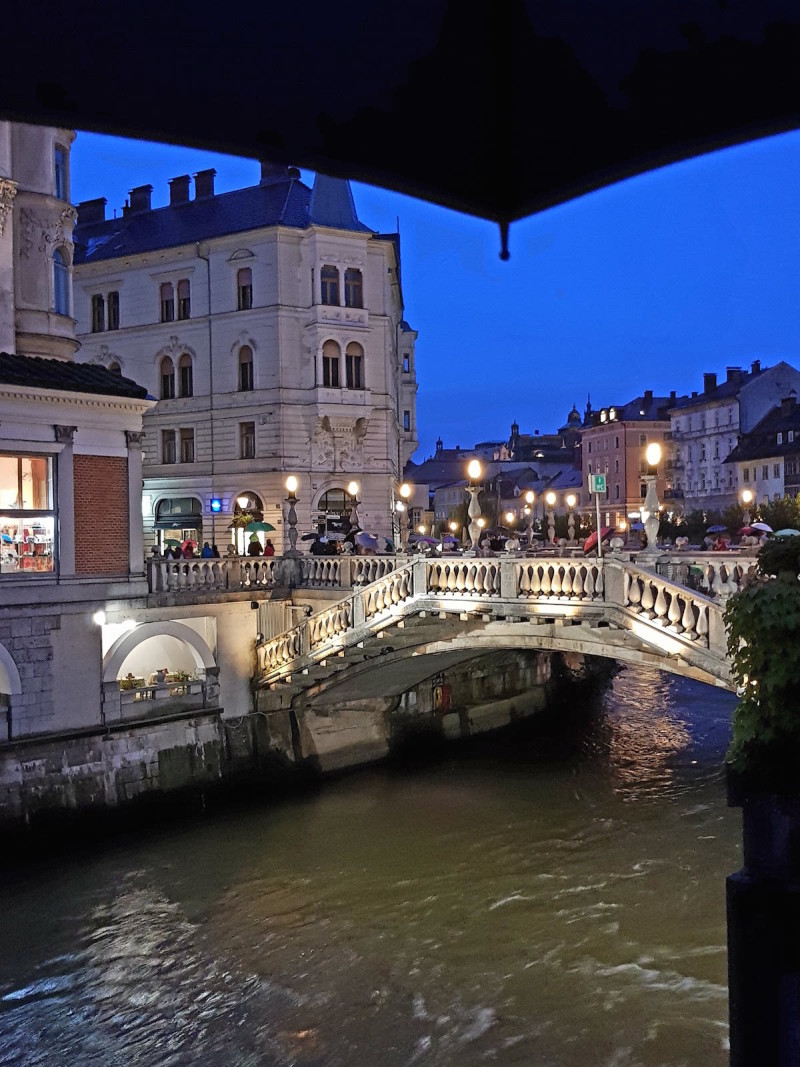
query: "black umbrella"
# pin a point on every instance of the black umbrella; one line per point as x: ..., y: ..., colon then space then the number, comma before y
x: 510, y: 106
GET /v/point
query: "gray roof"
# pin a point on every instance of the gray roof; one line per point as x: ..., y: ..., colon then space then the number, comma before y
x: 332, y: 205
x: 39, y: 373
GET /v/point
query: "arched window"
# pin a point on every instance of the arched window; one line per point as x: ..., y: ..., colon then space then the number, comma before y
x: 353, y: 288
x: 330, y: 365
x: 244, y: 289
x: 183, y: 299
x: 185, y: 379
x: 115, y: 368
x: 167, y: 379
x: 167, y: 302
x: 60, y: 282
x: 354, y: 366
x: 329, y: 280
x: 245, y: 369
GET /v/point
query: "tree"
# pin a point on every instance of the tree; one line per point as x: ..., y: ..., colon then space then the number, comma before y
x: 781, y: 514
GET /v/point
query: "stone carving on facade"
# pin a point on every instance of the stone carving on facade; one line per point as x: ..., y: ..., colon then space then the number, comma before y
x: 173, y: 348
x: 42, y: 233
x: 322, y: 445
x: 135, y: 438
x: 338, y: 444
x: 8, y: 190
x: 65, y: 434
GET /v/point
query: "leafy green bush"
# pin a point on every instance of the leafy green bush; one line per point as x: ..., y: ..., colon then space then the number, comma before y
x: 780, y: 555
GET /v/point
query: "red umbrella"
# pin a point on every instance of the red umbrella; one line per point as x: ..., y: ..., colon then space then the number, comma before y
x: 591, y: 540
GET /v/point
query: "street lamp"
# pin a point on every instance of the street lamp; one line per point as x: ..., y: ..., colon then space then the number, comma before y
x: 404, y: 514
x: 550, y: 500
x: 747, y: 500
x: 530, y: 497
x: 650, y: 511
x: 352, y: 489
x: 291, y: 517
x: 474, y: 471
x: 571, y: 501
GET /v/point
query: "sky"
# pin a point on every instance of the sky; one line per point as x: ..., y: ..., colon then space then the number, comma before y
x: 643, y: 285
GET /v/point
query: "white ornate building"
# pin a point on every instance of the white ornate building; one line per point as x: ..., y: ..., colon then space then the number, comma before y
x: 269, y: 324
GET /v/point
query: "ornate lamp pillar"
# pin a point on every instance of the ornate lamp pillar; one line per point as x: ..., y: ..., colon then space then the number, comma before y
x: 291, y: 516
x: 650, y: 513
x: 747, y: 500
x: 352, y: 489
x: 530, y: 497
x: 474, y: 471
x: 571, y: 502
x: 550, y: 500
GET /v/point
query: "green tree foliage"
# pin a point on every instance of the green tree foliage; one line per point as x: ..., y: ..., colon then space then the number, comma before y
x: 763, y: 625
x: 781, y: 514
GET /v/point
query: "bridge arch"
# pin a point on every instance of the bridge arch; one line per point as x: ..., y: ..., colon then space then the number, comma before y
x: 10, y: 683
x: 190, y: 639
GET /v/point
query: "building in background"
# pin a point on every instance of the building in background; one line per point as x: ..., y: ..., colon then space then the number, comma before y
x: 767, y: 460
x: 269, y: 323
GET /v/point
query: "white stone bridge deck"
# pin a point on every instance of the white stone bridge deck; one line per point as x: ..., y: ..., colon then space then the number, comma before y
x: 422, y: 614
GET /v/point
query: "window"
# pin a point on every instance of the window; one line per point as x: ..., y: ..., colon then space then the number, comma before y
x: 406, y: 363
x: 776, y: 470
x: 113, y: 311
x: 167, y: 302
x: 406, y: 421
x: 616, y: 466
x: 780, y: 438
x: 61, y: 173
x: 329, y: 282
x: 616, y: 491
x: 27, y: 514
x: 642, y: 490
x: 590, y: 448
x: 589, y: 468
x: 616, y: 442
x: 247, y: 440
x: 115, y: 368
x: 185, y: 377
x: 353, y: 288
x: 330, y: 365
x: 60, y: 282
x: 183, y: 299
x: 642, y: 438
x: 98, y: 313
x: 245, y: 369
x: 168, y: 454
x: 746, y: 474
x: 765, y: 471
x: 187, y: 446
x: 167, y: 379
x: 244, y: 289
x: 790, y: 436
x: 354, y: 366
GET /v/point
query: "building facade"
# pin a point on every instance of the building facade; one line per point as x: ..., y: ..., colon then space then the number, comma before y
x: 268, y: 322
x: 767, y: 460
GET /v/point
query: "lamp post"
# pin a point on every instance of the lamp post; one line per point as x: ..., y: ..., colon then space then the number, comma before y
x: 352, y: 489
x: 571, y: 502
x: 530, y: 497
x: 474, y: 471
x: 747, y: 500
x: 550, y: 500
x: 650, y: 513
x: 404, y: 514
x: 291, y: 516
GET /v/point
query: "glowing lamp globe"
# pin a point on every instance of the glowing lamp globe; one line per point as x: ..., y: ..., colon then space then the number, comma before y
x: 474, y: 470
x: 653, y: 454
x: 291, y: 484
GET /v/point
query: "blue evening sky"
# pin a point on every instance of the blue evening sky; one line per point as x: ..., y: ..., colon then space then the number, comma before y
x: 646, y: 284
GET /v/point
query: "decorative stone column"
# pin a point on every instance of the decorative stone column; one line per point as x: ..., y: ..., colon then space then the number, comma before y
x: 650, y: 514
x: 134, y: 440
x: 474, y: 511
x: 65, y: 533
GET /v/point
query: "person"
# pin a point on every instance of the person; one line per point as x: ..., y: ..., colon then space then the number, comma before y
x: 214, y: 552
x: 188, y: 550
x: 318, y: 547
x: 720, y: 544
x: 254, y: 548
x: 206, y: 552
x: 512, y: 543
x: 168, y: 553
x: 177, y: 552
x: 269, y: 548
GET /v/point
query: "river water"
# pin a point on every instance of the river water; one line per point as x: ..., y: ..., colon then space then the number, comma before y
x: 551, y: 897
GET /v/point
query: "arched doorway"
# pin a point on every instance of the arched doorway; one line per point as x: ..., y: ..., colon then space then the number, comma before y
x: 178, y: 519
x: 333, y: 511
x: 248, y: 509
x: 10, y: 686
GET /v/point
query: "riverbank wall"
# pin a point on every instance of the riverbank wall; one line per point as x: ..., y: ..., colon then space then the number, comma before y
x: 57, y: 780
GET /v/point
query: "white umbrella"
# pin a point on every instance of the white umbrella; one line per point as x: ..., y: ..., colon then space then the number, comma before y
x: 762, y: 526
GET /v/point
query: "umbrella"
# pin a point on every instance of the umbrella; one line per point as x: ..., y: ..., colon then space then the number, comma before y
x: 259, y: 527
x: 591, y: 540
x: 762, y: 526
x: 8, y: 540
x: 636, y: 526
x: 310, y: 537
x: 422, y: 539
x: 172, y: 542
x: 717, y: 529
x: 568, y: 102
x: 448, y: 539
x: 368, y: 541
x: 787, y: 533
x: 189, y: 542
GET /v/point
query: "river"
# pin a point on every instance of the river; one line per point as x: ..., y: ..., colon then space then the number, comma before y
x: 554, y: 896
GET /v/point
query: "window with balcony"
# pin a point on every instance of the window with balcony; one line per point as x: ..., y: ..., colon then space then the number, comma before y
x: 184, y: 301
x: 168, y: 453
x: 353, y: 288
x: 246, y: 369
x: 187, y: 446
x: 167, y: 379
x: 329, y: 283
x: 98, y: 313
x: 167, y: 296
x: 27, y: 515
x: 244, y: 289
x: 185, y: 375
x: 354, y: 366
x: 331, y: 355
x: 60, y: 282
x: 247, y: 440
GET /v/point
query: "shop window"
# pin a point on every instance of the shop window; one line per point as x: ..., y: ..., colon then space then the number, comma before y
x: 27, y: 515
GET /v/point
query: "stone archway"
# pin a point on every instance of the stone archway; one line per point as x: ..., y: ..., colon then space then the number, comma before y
x: 10, y: 687
x: 124, y: 645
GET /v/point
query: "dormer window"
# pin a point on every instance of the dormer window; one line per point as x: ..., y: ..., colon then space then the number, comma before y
x: 612, y: 414
x: 603, y: 416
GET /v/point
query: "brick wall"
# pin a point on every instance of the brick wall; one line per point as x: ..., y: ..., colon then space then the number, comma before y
x: 101, y: 515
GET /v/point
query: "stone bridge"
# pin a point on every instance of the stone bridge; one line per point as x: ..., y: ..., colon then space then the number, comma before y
x: 410, y: 619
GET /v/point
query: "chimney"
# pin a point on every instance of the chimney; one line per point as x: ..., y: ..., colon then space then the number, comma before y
x: 272, y: 172
x: 788, y: 405
x: 734, y: 374
x: 709, y: 383
x: 755, y: 367
x: 672, y: 395
x: 92, y: 211
x: 204, y: 183
x: 140, y: 198
x: 648, y: 394
x: 179, y: 190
